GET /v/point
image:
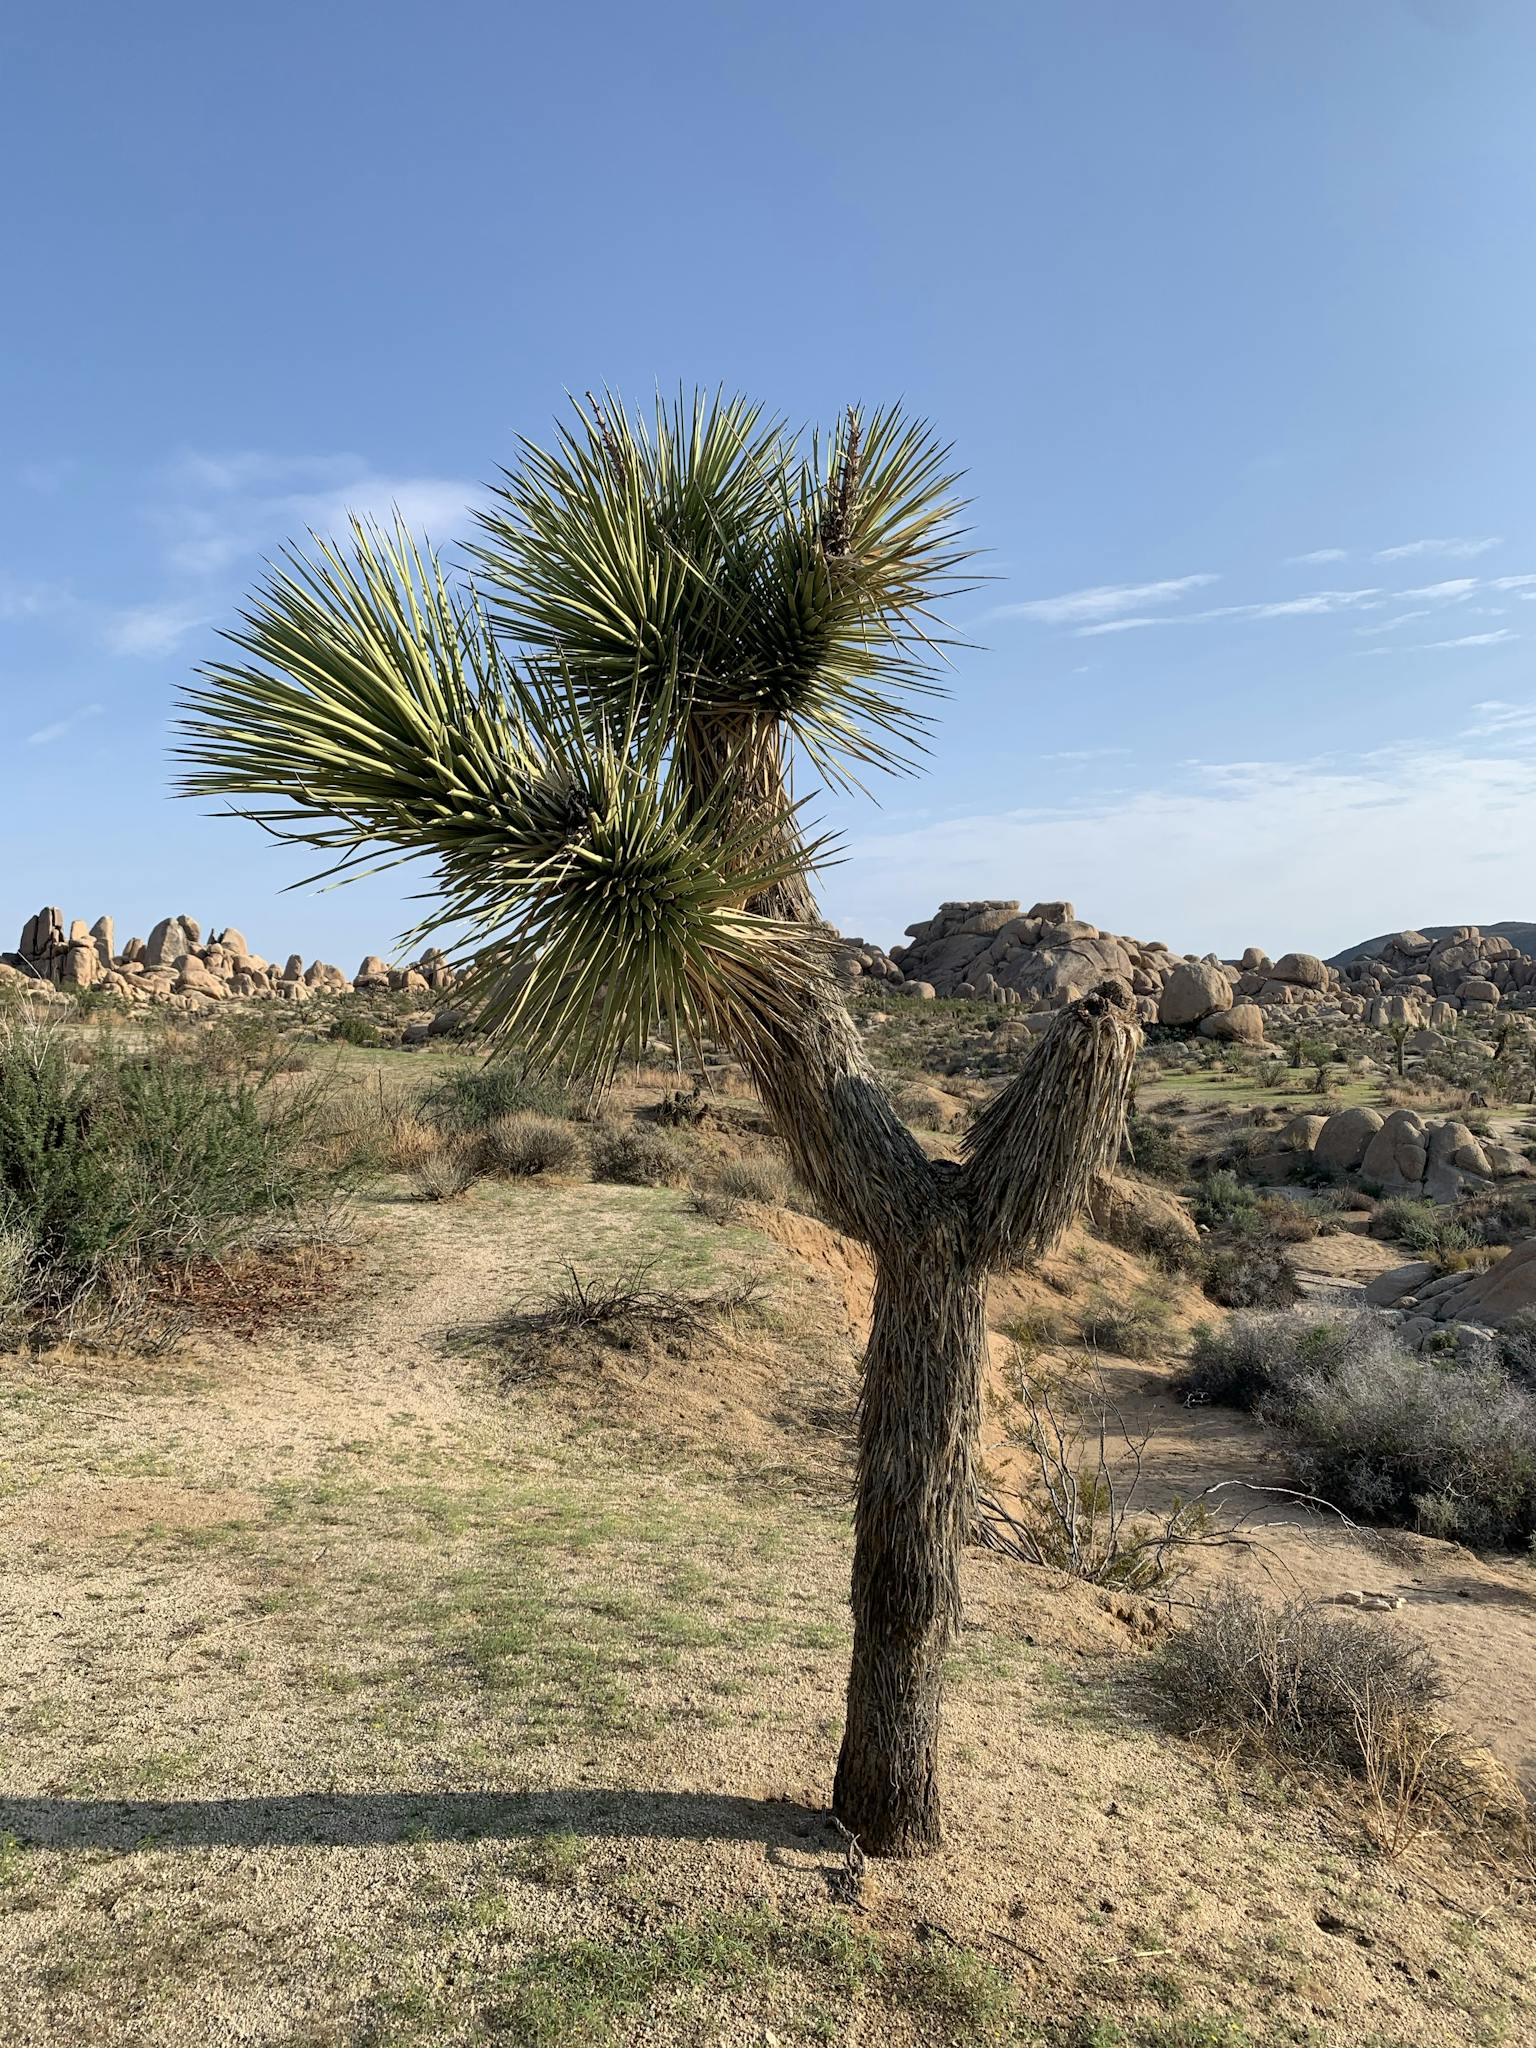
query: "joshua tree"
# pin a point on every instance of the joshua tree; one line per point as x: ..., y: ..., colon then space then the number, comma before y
x: 593, y: 744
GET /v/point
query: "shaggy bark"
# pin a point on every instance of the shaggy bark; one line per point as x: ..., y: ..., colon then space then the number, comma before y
x: 919, y: 1411
x: 935, y: 1230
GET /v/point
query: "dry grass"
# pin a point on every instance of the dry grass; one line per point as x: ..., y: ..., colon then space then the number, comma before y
x: 446, y: 1172
x: 1310, y: 1688
x: 638, y: 1155
x: 444, y: 1715
x: 526, y: 1143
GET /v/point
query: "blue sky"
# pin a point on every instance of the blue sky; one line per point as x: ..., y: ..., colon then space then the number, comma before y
x: 1227, y: 305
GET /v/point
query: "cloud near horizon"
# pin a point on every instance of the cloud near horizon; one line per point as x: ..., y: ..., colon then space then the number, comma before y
x: 213, y: 511
x: 1102, y: 600
x: 1317, y: 853
x: 1457, y: 549
x: 62, y: 727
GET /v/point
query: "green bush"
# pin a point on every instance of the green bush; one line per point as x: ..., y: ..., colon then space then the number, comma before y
x: 1223, y: 1202
x: 17, y: 1257
x: 637, y: 1155
x: 473, y: 1098
x: 145, y: 1162
x: 1154, y: 1148
x: 1423, y: 1228
x: 1138, y: 1328
x: 1253, y: 1356
x: 1415, y: 1439
x: 353, y: 1029
x: 1517, y: 1347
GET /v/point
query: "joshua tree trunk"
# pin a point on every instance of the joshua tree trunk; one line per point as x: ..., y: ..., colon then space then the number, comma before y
x: 919, y: 1410
x: 935, y: 1230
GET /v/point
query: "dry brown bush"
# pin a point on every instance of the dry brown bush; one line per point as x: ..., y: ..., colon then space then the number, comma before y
x: 525, y: 1143
x: 445, y: 1173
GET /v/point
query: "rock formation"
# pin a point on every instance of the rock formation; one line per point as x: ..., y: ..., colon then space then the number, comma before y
x: 1401, y: 1154
x: 993, y: 952
x: 175, y: 966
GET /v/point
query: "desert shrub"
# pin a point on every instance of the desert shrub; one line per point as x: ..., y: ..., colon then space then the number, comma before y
x: 1443, y: 1443
x: 1223, y: 1202
x: 524, y: 1143
x: 762, y: 1177
x: 445, y: 1173
x: 473, y: 1098
x: 1517, y: 1347
x: 1250, y: 1274
x: 1325, y: 1690
x: 1503, y: 1215
x: 1254, y: 1356
x: 1032, y: 1331
x: 1424, y: 1229
x: 350, y: 1028
x: 262, y: 1040
x: 1390, y: 1435
x: 1287, y: 1222
x: 637, y: 1155
x: 143, y: 1161
x: 17, y: 1257
x: 1077, y: 1511
x: 1138, y: 1328
x: 380, y: 1125
x: 1155, y: 1148
x: 631, y: 1300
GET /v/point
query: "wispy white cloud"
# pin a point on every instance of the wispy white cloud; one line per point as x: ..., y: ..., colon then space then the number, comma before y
x: 1497, y: 715
x: 1314, y: 604
x: 148, y: 630
x: 62, y: 727
x: 1450, y: 592
x: 1457, y: 549
x: 214, y: 511
x: 1321, y: 555
x: 1102, y: 600
x: 27, y: 597
x: 1078, y: 754
x: 1391, y: 625
x: 1490, y: 639
x: 1235, y: 853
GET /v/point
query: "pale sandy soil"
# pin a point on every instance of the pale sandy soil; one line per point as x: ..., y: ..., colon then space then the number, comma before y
x: 348, y: 1685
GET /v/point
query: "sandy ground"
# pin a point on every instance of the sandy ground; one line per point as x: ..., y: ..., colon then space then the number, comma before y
x: 357, y: 1676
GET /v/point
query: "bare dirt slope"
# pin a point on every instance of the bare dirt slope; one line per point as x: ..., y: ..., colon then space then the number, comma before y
x: 380, y: 1683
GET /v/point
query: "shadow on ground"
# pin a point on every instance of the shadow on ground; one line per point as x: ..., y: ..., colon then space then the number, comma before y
x: 351, y: 1820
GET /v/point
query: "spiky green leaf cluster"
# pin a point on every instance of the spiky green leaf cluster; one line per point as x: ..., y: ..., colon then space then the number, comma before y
x: 601, y: 896
x: 704, y: 567
x: 594, y: 760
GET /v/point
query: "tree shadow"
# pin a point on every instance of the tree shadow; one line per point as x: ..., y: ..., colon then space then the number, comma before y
x: 1469, y: 1592
x: 352, y: 1820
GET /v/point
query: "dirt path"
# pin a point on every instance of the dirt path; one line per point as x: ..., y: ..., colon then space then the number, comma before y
x: 352, y: 1697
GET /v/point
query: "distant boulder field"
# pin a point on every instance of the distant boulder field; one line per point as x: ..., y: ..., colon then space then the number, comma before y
x: 1035, y: 960
x: 176, y: 965
x: 1047, y: 956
